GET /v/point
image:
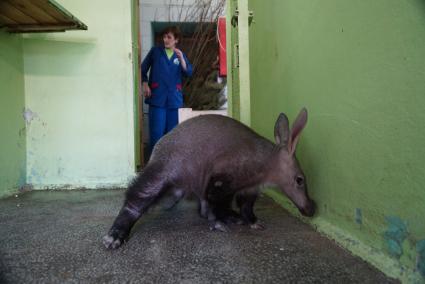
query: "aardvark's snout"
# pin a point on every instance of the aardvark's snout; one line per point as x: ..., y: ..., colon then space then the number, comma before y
x: 309, y: 209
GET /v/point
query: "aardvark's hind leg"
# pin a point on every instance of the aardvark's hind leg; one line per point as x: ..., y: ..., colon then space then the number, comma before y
x: 141, y: 194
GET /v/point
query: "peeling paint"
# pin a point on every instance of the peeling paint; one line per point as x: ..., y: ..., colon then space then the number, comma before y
x: 420, y: 249
x: 29, y: 115
x: 394, y: 248
x: 394, y: 236
x: 35, y: 176
x: 22, y: 177
x: 26, y: 187
x: 22, y: 131
x: 358, y: 216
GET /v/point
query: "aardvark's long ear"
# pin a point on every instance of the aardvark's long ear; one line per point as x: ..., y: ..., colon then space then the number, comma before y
x: 296, y: 130
x: 281, y: 130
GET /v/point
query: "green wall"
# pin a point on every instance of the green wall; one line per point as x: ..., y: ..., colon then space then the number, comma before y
x: 79, y: 90
x: 12, y: 125
x: 359, y: 68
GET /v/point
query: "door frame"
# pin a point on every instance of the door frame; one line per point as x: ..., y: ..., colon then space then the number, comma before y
x: 238, y: 65
x: 137, y: 79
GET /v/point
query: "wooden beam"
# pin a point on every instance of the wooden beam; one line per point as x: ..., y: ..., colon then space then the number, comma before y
x: 62, y: 10
x: 51, y: 10
x: 11, y: 12
x: 39, y: 28
x: 36, y: 15
x: 33, y: 11
x: 4, y: 20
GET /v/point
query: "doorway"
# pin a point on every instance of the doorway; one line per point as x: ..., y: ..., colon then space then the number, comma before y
x: 197, y: 21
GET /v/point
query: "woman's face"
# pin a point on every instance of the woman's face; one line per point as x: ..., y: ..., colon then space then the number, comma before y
x: 169, y: 40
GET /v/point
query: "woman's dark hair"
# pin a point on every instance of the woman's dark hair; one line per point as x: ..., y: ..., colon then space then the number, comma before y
x: 174, y: 30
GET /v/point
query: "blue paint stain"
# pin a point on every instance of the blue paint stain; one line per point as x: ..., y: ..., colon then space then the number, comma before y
x: 394, y: 248
x: 22, y: 179
x: 420, y: 248
x: 34, y: 172
x: 395, y: 235
x: 358, y: 217
x: 35, y: 176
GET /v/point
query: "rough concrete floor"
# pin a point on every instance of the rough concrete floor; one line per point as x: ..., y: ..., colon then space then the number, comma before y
x: 55, y: 237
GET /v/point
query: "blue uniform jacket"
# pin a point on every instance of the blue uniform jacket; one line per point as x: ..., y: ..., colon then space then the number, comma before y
x: 165, y: 78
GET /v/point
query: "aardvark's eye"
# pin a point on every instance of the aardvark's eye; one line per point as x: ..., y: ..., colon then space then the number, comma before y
x: 299, y: 180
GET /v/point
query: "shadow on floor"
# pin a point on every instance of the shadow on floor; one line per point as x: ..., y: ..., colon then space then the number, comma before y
x: 55, y: 237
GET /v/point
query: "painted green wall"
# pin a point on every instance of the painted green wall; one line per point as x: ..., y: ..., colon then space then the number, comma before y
x: 12, y: 126
x: 358, y: 66
x: 79, y: 88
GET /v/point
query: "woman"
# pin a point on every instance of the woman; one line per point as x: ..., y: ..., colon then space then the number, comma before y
x: 163, y: 89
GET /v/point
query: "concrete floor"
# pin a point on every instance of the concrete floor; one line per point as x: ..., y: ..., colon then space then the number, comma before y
x: 55, y: 237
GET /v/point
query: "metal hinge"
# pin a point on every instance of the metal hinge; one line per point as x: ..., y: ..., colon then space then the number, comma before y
x: 235, y: 18
x: 250, y: 17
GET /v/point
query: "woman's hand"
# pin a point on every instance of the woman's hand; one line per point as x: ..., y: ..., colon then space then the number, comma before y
x: 180, y: 56
x: 146, y: 90
x: 179, y: 53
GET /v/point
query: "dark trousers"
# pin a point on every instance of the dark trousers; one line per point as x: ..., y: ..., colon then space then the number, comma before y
x: 161, y: 121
